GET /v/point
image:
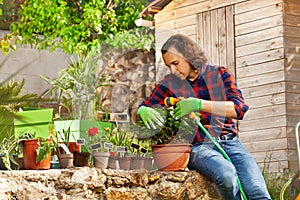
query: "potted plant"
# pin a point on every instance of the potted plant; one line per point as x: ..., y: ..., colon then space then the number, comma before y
x: 171, y: 143
x: 36, y: 151
x: 122, y: 152
x: 9, y: 154
x: 10, y: 102
x: 64, y: 153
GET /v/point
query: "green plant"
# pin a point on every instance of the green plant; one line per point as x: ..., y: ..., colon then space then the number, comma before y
x: 173, y: 131
x: 76, y: 85
x: 120, y: 138
x: 75, y: 26
x: 9, y: 148
x: 45, y: 145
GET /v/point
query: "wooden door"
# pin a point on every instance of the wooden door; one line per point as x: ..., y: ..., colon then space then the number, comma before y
x: 215, y: 34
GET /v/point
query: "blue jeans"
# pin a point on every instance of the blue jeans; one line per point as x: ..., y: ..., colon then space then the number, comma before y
x: 206, y: 159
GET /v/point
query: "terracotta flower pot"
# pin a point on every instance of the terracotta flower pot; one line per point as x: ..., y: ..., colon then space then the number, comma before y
x: 137, y: 162
x: 72, y: 147
x: 65, y: 160
x: 81, y: 159
x: 148, y: 163
x: 124, y: 162
x: 100, y: 159
x: 112, y: 161
x: 171, y: 157
x: 30, y: 154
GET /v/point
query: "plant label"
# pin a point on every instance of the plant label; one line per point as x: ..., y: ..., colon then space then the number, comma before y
x: 143, y: 150
x: 80, y: 141
x: 121, y: 149
x: 135, y: 146
x: 64, y: 146
x: 96, y: 146
x: 108, y: 145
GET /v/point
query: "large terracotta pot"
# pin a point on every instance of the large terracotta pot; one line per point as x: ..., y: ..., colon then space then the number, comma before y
x: 30, y: 154
x: 171, y: 157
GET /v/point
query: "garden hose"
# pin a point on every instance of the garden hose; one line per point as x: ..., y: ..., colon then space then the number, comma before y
x: 171, y: 101
x: 193, y: 116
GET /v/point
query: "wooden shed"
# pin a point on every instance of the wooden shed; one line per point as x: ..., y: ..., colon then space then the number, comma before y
x: 259, y: 41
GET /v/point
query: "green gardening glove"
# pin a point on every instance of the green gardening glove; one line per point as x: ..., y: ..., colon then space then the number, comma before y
x: 150, y: 117
x: 186, y: 106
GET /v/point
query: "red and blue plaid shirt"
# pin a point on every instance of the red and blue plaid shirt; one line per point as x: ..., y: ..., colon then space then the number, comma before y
x: 215, y: 83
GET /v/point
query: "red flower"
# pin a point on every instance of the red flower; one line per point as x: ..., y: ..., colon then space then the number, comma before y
x: 92, y: 131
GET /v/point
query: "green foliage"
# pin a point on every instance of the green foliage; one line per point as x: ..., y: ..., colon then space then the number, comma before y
x: 8, y: 14
x: 45, y: 145
x: 9, y: 147
x: 11, y: 99
x: 173, y: 131
x: 75, y: 26
x: 275, y: 183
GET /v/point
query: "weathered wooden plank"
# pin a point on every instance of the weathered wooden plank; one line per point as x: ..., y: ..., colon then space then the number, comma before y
x: 291, y: 8
x: 262, y: 68
x: 274, y: 167
x: 294, y: 108
x: 185, y: 21
x: 222, y: 35
x: 230, y: 46
x: 259, y: 36
x: 266, y: 134
x: 291, y: 20
x: 254, y: 4
x: 258, y: 13
x: 200, y: 30
x: 182, y: 3
x: 271, y: 156
x: 267, y: 145
x: 207, y: 39
x: 291, y: 31
x: 261, y: 90
x: 292, y: 87
x: 292, y: 76
x: 292, y: 42
x: 267, y: 100
x: 165, y: 25
x: 263, y: 79
x: 214, y: 37
x: 259, y: 124
x: 260, y: 24
x: 188, y: 30
x: 261, y: 57
x: 260, y: 46
x: 162, y: 35
x: 170, y: 13
x: 265, y: 112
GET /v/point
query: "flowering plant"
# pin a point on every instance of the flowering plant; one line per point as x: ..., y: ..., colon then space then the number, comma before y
x: 95, y: 140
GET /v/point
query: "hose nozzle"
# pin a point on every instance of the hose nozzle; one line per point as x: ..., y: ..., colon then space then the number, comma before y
x: 170, y: 101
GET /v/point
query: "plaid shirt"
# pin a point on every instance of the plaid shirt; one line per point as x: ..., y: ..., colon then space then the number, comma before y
x: 215, y: 83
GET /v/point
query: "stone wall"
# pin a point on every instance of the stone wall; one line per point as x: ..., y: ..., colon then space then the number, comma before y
x: 105, y: 184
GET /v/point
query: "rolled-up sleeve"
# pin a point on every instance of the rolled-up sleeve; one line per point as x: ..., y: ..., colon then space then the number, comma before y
x: 233, y: 93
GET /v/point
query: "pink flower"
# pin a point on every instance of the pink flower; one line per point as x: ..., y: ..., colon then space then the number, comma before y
x: 92, y: 131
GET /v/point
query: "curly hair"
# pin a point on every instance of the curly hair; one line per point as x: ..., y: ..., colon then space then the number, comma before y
x: 188, y: 48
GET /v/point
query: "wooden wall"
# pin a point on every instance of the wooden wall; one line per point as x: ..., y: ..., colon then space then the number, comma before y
x: 265, y: 57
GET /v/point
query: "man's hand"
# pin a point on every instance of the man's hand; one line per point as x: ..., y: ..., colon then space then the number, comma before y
x: 150, y: 117
x: 187, y: 106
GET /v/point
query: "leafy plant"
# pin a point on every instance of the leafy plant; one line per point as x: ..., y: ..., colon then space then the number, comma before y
x: 76, y: 85
x: 75, y: 26
x: 9, y: 148
x: 45, y: 145
x: 173, y: 131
